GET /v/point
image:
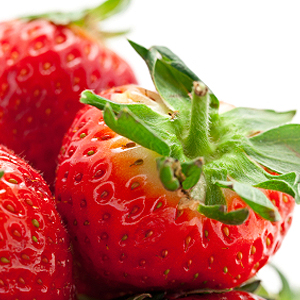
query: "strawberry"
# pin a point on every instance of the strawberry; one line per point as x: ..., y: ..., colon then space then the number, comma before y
x: 161, y: 192
x: 46, y: 62
x: 35, y: 255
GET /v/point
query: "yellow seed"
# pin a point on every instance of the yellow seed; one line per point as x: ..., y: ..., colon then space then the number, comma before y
x: 130, y: 144
x: 268, y: 241
x: 285, y: 198
x: 59, y: 39
x: 225, y: 270
x: 5, y: 260
x: 48, y: 111
x: 167, y: 272
x: 91, y: 152
x: 21, y: 280
x: 253, y: 250
x: 17, y: 233
x: 46, y: 66
x: 226, y: 231
x: 256, y: 266
x: 70, y: 57
x: 35, y: 223
x: 38, y: 45
x: 25, y: 256
x: 125, y: 237
x: 135, y: 185
x: 206, y: 233
x: 148, y: 233
x: 23, y: 72
x: 12, y: 180
x: 10, y: 208
x: 159, y: 204
x: 164, y: 253
x: 239, y: 255
x: 187, y: 241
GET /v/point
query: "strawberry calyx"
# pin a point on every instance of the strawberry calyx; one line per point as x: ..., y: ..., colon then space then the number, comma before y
x: 88, y: 19
x: 202, y: 151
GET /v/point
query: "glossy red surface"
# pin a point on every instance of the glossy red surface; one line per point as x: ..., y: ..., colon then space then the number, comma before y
x: 44, y: 68
x: 35, y: 256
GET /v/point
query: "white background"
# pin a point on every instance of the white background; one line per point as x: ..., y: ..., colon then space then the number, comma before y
x: 247, y: 52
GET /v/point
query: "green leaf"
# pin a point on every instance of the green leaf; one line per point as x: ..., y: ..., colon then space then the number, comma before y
x: 173, y: 86
x: 250, y: 121
x: 214, y: 194
x: 108, y: 9
x: 148, y: 56
x: 192, y: 171
x: 141, y: 110
x: 250, y: 287
x: 167, y: 56
x: 219, y: 213
x: 175, y: 62
x: 167, y: 169
x: 277, y: 185
x: 278, y: 149
x: 160, y: 123
x: 255, y: 198
x: 61, y: 18
x: 127, y: 124
x: 105, y: 10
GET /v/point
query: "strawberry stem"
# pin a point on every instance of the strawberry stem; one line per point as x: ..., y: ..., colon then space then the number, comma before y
x: 197, y: 142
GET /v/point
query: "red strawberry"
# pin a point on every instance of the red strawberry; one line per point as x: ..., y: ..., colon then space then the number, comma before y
x: 45, y: 66
x: 35, y: 255
x: 171, y: 206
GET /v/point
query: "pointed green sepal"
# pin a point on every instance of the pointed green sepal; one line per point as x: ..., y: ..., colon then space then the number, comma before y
x: 192, y: 171
x: 167, y: 173
x: 250, y: 287
x: 1, y: 173
x: 278, y: 149
x: 255, y: 198
x: 219, y: 213
x: 250, y: 121
x: 85, y: 17
x: 127, y: 124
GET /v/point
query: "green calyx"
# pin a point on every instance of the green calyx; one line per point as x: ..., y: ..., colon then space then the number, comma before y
x: 88, y: 19
x: 204, y: 152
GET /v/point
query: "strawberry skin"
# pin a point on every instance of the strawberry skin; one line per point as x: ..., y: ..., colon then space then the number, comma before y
x: 128, y: 229
x: 44, y: 67
x: 35, y: 255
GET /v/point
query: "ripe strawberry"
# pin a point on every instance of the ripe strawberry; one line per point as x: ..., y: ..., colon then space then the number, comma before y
x: 35, y: 256
x: 45, y: 64
x: 158, y: 198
